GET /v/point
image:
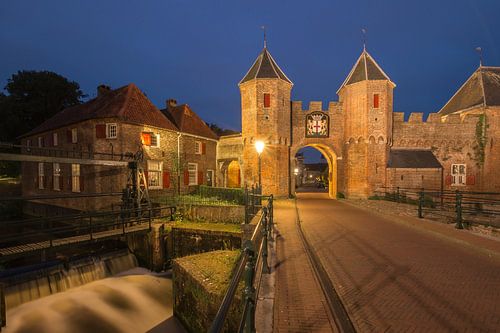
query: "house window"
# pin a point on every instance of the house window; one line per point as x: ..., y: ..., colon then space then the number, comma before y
x: 111, y: 131
x: 197, y: 147
x: 40, y: 141
x: 154, y: 174
x: 210, y: 177
x: 41, y: 176
x: 56, y: 176
x: 376, y: 101
x: 75, y: 177
x: 458, y: 174
x: 267, y: 100
x: 55, y: 141
x: 74, y: 135
x: 193, y: 173
x: 150, y: 139
x: 28, y: 145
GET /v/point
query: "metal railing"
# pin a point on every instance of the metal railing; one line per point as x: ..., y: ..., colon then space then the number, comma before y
x: 255, y: 251
x: 463, y: 207
x: 253, y: 202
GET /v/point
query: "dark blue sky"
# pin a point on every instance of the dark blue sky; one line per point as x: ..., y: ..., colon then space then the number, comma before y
x: 197, y: 51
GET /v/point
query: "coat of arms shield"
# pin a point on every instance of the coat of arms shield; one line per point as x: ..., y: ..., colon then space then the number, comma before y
x: 317, y: 125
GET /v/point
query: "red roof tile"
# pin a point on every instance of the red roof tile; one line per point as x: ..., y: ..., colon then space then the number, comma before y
x: 127, y: 103
x: 188, y: 121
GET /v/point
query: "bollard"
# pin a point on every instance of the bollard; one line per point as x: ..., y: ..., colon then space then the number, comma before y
x: 458, y: 209
x: 265, y: 265
x: 420, y: 203
x: 249, y: 289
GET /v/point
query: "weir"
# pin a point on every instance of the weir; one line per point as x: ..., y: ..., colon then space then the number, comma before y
x: 25, y: 286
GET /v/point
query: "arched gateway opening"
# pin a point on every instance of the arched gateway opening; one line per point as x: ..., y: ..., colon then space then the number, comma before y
x: 314, y: 173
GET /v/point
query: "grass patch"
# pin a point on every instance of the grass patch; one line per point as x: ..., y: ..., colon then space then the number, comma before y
x: 193, y: 199
x: 224, y: 227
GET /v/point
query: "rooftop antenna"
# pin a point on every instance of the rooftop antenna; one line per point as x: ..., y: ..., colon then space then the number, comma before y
x: 265, y: 39
x: 479, y: 50
x: 363, y: 31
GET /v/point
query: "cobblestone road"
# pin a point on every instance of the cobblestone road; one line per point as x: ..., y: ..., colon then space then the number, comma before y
x: 395, y: 278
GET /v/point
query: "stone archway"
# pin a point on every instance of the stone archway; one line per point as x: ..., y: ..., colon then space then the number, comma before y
x: 331, y: 159
x: 233, y: 174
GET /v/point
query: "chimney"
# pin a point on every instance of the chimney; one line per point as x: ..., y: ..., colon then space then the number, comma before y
x: 102, y: 89
x: 171, y: 103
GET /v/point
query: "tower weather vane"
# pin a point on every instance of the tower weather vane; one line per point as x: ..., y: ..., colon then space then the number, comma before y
x: 263, y: 27
x: 479, y: 50
x: 363, y: 31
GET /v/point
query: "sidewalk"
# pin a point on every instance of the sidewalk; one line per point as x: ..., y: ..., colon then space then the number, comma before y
x: 300, y: 305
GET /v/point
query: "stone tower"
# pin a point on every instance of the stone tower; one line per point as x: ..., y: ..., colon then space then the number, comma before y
x: 265, y: 114
x: 366, y: 96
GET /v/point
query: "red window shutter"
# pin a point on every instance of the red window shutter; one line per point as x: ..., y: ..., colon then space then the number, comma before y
x: 69, y: 136
x: 81, y: 184
x: 186, y: 177
x: 100, y: 131
x: 447, y: 180
x: 267, y: 100
x: 166, y: 179
x: 200, y: 177
x: 376, y: 101
x: 471, y: 180
x: 203, y: 148
x: 146, y: 138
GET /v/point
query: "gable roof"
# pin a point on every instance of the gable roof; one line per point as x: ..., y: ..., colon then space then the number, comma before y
x: 127, y: 103
x: 188, y: 121
x: 406, y: 158
x: 482, y: 88
x: 365, y: 68
x: 265, y: 67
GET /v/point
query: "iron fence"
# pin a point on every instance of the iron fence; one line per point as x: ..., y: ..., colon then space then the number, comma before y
x: 462, y: 207
x: 253, y: 260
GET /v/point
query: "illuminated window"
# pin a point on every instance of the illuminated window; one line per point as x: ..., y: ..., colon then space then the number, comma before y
x: 74, y: 135
x: 458, y: 174
x: 150, y: 139
x: 193, y: 173
x: 75, y: 177
x: 154, y: 174
x: 56, y: 176
x: 28, y: 145
x: 40, y: 141
x: 111, y: 131
x: 267, y: 100
x: 41, y: 176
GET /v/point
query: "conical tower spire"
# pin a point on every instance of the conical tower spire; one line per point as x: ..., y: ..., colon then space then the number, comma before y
x: 265, y: 67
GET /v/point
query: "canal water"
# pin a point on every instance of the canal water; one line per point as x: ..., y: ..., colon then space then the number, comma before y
x: 85, y: 298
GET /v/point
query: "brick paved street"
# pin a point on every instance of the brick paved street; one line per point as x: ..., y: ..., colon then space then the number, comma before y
x: 393, y: 277
x: 300, y: 305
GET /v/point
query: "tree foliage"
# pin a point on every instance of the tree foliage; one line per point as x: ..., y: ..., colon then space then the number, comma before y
x: 33, y: 97
x: 221, y: 131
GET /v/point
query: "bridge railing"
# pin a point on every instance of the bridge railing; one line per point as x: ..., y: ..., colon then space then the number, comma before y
x: 253, y: 261
x: 464, y: 207
x: 52, y: 229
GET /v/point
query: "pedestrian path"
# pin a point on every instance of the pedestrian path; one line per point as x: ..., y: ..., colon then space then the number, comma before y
x: 300, y: 305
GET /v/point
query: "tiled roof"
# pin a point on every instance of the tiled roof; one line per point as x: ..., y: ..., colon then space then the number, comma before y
x: 365, y: 68
x: 127, y: 104
x: 406, y: 158
x: 265, y: 67
x: 481, y: 89
x: 188, y: 122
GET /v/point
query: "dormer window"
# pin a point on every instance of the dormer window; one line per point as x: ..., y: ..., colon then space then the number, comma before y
x: 267, y: 100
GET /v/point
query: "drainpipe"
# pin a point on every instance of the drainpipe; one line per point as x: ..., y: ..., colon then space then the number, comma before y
x: 179, y: 163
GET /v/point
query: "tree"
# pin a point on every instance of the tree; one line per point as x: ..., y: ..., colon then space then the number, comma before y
x: 221, y: 131
x: 33, y: 97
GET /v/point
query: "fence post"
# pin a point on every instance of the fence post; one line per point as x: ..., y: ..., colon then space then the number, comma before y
x: 249, y: 289
x: 458, y: 209
x: 420, y: 203
x: 246, y: 205
x: 265, y: 265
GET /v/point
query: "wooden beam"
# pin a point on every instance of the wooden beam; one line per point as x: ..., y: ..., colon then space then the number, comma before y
x: 52, y: 159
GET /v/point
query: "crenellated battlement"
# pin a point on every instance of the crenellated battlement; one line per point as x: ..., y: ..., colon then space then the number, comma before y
x: 433, y: 118
x: 316, y: 106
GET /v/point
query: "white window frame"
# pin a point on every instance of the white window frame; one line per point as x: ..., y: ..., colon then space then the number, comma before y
x: 55, y: 140
x: 198, y: 147
x: 74, y: 135
x: 41, y: 176
x: 190, y: 171
x: 56, y: 174
x: 457, y: 177
x: 28, y: 145
x: 157, y: 141
x: 153, y: 173
x: 110, y: 133
x: 212, y: 176
x: 40, y: 142
x: 75, y: 178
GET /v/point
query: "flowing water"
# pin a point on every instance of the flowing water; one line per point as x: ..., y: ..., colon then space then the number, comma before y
x: 87, y: 298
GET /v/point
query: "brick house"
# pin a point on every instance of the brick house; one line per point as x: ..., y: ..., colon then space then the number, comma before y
x: 178, y: 147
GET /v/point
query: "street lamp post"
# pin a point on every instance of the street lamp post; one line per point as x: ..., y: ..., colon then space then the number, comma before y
x: 259, y: 146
